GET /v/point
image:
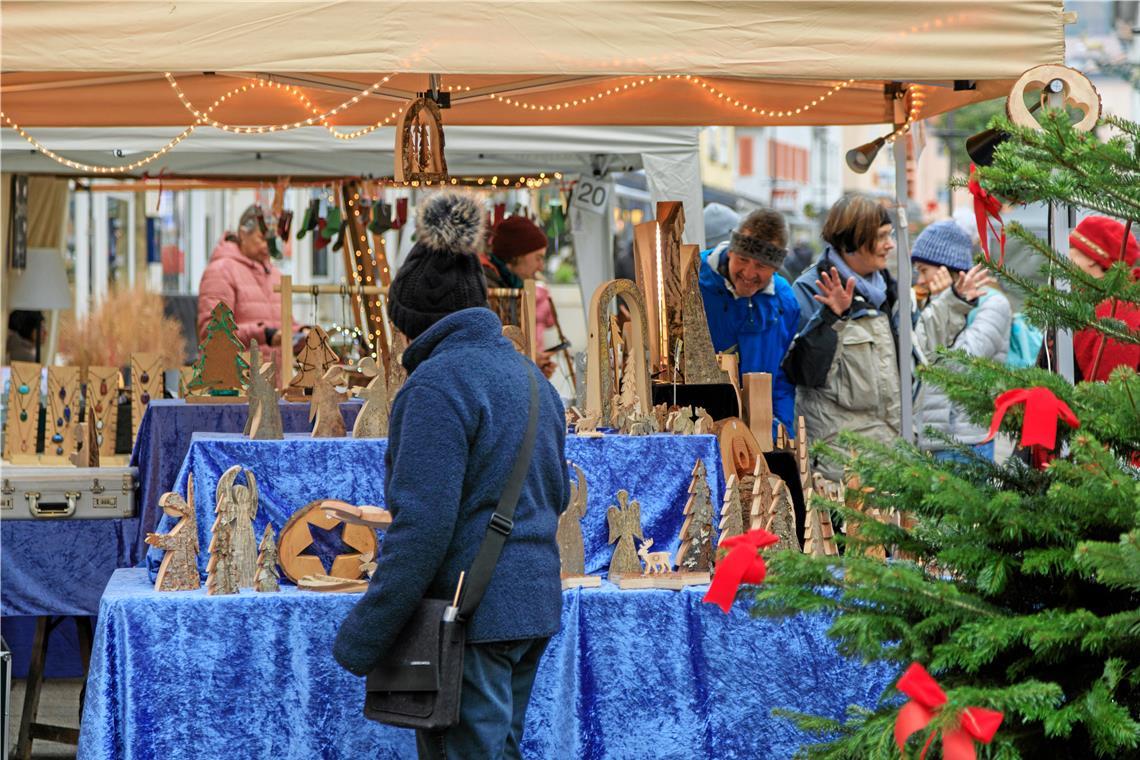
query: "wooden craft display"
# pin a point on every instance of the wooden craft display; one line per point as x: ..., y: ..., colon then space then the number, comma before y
x: 146, y: 383
x: 624, y: 522
x: 179, y: 568
x: 264, y: 420
x: 236, y: 507
x: 604, y: 366
x: 1078, y: 92
x: 220, y: 370
x: 24, y: 412
x: 819, y: 535
x: 315, y: 359
x: 324, y: 408
x: 571, y: 545
x: 372, y: 420
x: 680, y: 348
x: 656, y: 563
x: 781, y: 518
x: 419, y: 154
x: 61, y: 434
x: 757, y: 407
x: 267, y: 573
x: 695, y: 554
x: 731, y: 520
x: 102, y: 406
x: 296, y: 537
x: 185, y: 376
x: 86, y: 446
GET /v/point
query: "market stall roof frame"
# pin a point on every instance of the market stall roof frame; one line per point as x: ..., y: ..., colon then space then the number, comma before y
x: 590, y: 62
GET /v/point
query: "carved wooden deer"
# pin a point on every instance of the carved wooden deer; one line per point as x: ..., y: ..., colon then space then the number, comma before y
x: 655, y: 562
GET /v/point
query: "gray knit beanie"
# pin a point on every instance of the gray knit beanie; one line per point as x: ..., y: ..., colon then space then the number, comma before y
x: 944, y: 244
x: 720, y: 221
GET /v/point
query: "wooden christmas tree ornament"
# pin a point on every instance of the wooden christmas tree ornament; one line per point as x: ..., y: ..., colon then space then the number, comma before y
x: 695, y: 554
x: 315, y: 359
x: 571, y: 546
x: 220, y: 368
x: 731, y: 521
x: 179, y: 568
x: 267, y: 573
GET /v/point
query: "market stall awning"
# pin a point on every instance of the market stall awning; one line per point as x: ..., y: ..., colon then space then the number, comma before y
x: 647, y: 62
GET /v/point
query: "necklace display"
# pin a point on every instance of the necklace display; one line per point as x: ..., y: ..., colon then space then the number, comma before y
x: 102, y: 390
x: 24, y: 399
x: 63, y: 410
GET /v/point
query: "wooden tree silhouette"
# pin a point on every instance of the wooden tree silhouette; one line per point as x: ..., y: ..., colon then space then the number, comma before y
x: 220, y: 366
x: 695, y: 554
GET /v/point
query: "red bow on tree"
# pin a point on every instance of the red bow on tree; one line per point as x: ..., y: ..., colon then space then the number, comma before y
x: 742, y: 565
x: 986, y: 206
x: 927, y: 699
x: 1042, y: 410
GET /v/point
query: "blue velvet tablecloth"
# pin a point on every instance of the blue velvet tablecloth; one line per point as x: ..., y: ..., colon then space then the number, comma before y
x: 292, y: 472
x: 632, y: 674
x: 164, y: 438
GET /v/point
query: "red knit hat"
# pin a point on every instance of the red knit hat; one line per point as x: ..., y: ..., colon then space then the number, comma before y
x: 1099, y: 238
x: 516, y: 236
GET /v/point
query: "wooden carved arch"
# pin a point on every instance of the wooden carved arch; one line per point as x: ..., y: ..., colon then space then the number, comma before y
x: 600, y: 370
x: 419, y: 143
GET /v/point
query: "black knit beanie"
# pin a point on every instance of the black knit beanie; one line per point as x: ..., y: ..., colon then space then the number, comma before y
x: 442, y: 273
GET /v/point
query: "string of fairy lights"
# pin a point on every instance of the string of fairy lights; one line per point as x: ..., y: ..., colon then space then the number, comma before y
x: 317, y: 116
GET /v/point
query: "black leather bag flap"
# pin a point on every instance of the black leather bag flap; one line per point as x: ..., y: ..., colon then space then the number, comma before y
x: 413, y: 663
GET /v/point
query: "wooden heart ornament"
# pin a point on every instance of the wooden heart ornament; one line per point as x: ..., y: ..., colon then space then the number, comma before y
x: 1078, y: 91
x: 297, y: 538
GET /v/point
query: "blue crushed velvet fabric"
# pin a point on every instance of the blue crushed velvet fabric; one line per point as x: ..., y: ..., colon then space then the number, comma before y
x: 164, y: 438
x: 292, y: 472
x: 632, y: 674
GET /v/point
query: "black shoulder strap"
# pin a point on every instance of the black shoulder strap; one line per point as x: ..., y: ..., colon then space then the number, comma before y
x: 502, y: 520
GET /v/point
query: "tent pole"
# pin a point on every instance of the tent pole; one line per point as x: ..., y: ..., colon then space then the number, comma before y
x: 905, y: 296
x: 1059, y: 242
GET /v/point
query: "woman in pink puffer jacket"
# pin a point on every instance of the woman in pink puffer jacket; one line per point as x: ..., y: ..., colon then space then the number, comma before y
x: 241, y: 274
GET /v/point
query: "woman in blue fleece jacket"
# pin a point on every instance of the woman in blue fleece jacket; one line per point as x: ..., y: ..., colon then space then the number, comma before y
x: 455, y: 430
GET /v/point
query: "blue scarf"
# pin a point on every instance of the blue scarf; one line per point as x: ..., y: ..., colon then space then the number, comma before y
x: 873, y: 287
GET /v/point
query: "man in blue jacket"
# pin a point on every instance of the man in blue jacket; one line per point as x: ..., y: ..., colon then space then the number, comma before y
x: 751, y: 309
x: 456, y: 427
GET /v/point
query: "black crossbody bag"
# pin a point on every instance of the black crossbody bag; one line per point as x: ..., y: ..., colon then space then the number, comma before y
x: 418, y: 683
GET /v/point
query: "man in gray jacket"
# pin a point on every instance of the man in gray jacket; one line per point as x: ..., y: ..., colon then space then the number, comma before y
x: 942, y: 252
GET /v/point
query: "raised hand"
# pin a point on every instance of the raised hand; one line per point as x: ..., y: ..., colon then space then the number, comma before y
x: 971, y: 284
x: 940, y: 281
x: 833, y: 293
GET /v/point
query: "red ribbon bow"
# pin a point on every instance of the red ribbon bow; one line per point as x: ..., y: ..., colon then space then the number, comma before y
x: 927, y: 699
x: 985, y: 206
x: 1042, y: 410
x: 742, y: 565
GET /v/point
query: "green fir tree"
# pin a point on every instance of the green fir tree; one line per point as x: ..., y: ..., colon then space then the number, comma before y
x: 1021, y: 587
x: 220, y: 367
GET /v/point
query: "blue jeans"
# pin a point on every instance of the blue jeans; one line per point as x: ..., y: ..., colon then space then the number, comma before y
x: 497, y: 679
x: 984, y: 450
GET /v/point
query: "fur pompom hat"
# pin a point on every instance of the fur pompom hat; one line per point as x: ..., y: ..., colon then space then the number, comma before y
x: 442, y: 273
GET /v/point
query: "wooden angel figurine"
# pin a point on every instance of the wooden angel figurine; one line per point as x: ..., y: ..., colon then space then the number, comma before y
x: 625, y: 525
x: 239, y: 504
x: 267, y: 572
x: 179, y: 568
x: 570, y: 543
x: 324, y: 409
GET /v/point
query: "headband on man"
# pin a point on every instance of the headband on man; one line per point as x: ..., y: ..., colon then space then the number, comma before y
x: 758, y: 249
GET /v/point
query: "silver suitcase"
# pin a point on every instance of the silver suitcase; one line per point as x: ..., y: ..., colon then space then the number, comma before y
x: 67, y: 493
